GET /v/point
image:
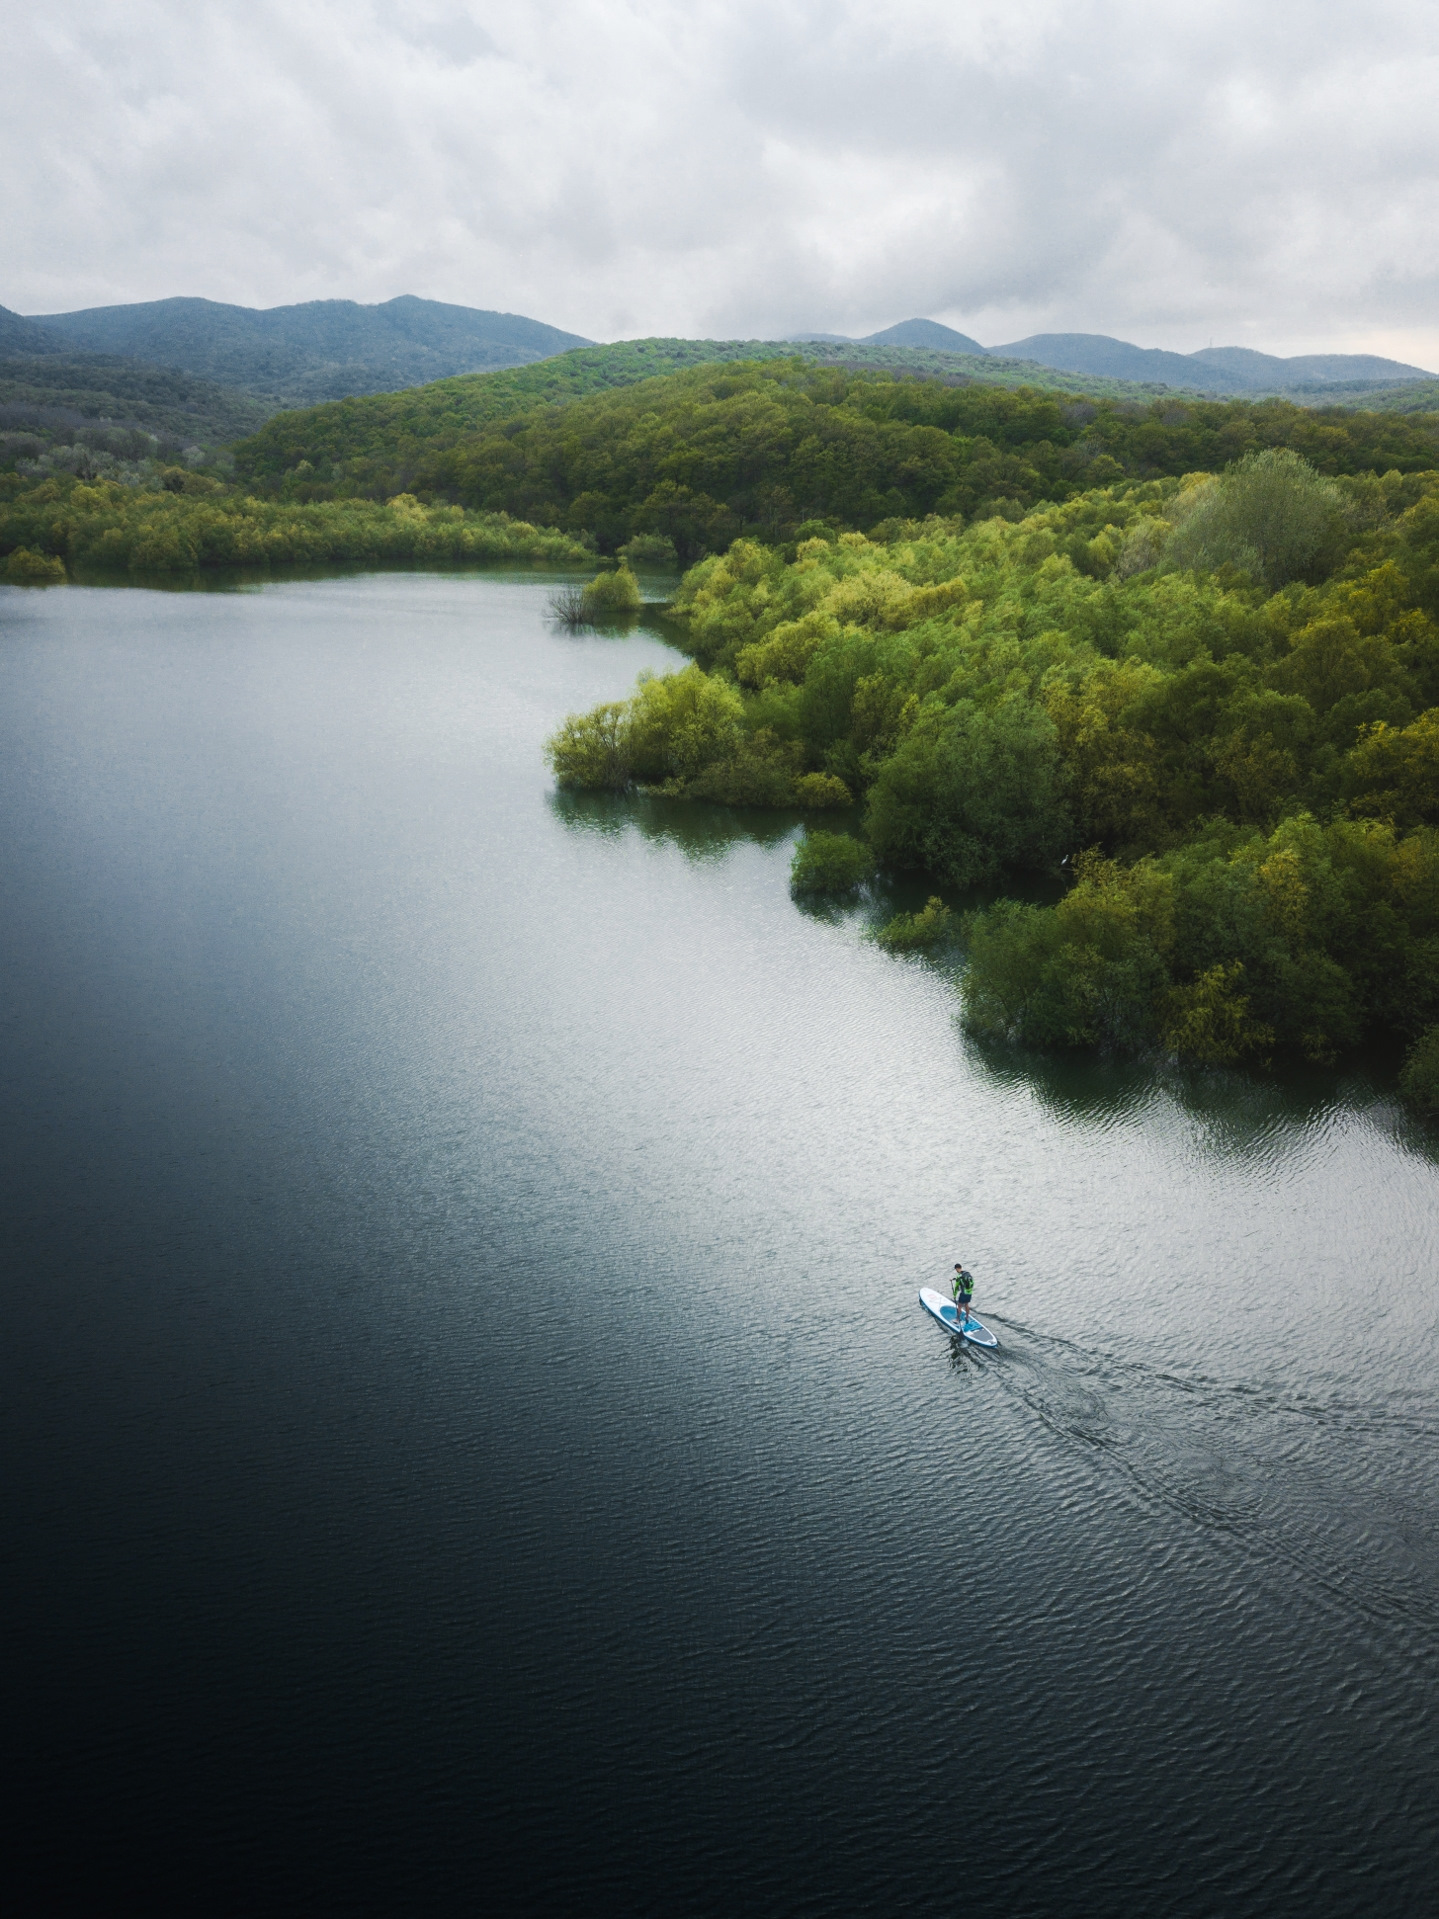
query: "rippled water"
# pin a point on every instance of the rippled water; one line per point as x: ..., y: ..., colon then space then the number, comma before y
x: 472, y: 1439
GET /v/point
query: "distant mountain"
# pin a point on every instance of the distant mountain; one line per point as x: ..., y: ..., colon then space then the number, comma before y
x: 910, y: 333
x: 1265, y: 369
x: 1231, y: 369
x: 18, y: 335
x: 924, y: 333
x: 321, y: 350
x: 1116, y: 360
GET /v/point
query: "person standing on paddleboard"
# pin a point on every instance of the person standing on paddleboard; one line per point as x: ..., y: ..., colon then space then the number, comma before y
x: 963, y: 1291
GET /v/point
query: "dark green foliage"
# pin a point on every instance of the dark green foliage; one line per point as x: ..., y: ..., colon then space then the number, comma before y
x: 832, y: 863
x: 761, y: 449
x: 970, y: 791
x: 1270, y: 515
x: 378, y: 443
x: 1307, y: 938
x: 649, y: 549
x: 764, y: 447
x: 1419, y: 1081
x: 110, y: 406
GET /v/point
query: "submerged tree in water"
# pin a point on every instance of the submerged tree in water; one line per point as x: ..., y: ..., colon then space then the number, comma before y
x: 833, y: 863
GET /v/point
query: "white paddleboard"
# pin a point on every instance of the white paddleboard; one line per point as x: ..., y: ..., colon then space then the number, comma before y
x: 947, y: 1313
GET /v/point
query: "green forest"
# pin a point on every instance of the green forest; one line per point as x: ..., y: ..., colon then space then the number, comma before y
x: 756, y: 450
x: 379, y: 444
x: 1209, y: 702
x: 185, y: 519
x: 1175, y: 659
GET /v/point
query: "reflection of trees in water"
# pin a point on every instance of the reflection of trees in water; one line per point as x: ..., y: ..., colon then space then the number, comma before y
x: 700, y: 832
x: 1237, y: 1112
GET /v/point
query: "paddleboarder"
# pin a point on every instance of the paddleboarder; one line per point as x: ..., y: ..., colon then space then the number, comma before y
x: 963, y: 1291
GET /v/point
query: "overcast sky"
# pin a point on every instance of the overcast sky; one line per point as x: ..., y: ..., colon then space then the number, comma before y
x: 1260, y: 174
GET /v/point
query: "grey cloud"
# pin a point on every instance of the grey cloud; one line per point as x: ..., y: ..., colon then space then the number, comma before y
x: 1268, y: 176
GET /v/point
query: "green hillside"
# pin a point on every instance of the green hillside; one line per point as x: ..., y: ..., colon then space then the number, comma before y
x: 99, y: 399
x: 718, y: 451
x: 384, y: 438
x: 1413, y: 396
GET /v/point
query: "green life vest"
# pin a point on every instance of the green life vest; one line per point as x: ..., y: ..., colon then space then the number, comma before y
x: 964, y: 1285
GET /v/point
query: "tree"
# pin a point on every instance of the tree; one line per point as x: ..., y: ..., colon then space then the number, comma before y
x: 1270, y: 515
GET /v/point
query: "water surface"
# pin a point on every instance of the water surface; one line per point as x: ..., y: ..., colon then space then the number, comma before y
x: 471, y: 1434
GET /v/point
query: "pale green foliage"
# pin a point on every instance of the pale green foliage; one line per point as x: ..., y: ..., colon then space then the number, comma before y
x: 612, y: 596
x: 591, y: 750
x: 1271, y: 515
x: 681, y: 722
x: 107, y: 525
x: 675, y: 728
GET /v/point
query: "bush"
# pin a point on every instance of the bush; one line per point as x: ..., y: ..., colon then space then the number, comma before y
x: 1087, y: 972
x: 568, y: 607
x: 25, y: 568
x: 1208, y: 1020
x: 759, y: 772
x: 830, y: 863
x: 612, y: 596
x: 1419, y: 1081
x: 821, y: 790
x: 591, y: 750
x: 680, y: 723
x: 650, y: 549
x: 969, y: 791
x: 916, y: 932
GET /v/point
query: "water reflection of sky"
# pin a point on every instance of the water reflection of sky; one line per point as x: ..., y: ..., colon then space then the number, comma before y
x: 478, y: 1357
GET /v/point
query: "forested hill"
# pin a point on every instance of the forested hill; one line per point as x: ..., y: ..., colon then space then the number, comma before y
x: 47, y: 400
x: 383, y: 439
x: 296, y: 355
x: 718, y: 452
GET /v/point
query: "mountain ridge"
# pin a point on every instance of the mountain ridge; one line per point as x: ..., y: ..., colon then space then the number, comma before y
x: 299, y: 354
x: 1232, y: 369
x: 1214, y: 369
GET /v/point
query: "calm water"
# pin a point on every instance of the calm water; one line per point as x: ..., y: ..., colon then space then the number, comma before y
x: 471, y: 1438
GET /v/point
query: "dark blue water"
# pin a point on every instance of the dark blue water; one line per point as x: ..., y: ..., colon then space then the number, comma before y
x: 471, y: 1442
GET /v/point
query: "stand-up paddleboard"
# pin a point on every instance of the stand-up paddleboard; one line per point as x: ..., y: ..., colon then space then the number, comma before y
x: 947, y: 1313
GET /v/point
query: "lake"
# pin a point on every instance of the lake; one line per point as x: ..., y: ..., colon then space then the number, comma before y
x: 472, y: 1442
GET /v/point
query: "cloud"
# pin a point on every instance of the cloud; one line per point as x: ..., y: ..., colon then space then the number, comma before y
x: 1266, y: 176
